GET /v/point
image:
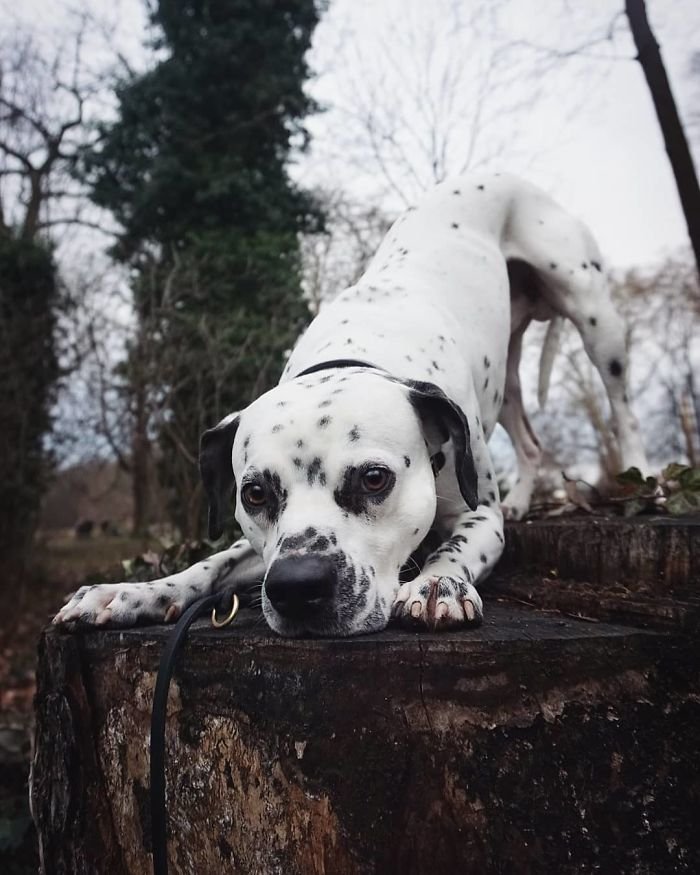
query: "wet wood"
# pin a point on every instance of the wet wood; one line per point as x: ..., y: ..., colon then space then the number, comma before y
x: 644, y: 571
x: 536, y: 744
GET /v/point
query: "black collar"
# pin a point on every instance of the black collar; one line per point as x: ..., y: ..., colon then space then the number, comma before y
x: 335, y: 363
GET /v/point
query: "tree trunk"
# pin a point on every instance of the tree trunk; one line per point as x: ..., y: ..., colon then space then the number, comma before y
x: 140, y: 443
x: 649, y: 57
x: 538, y: 743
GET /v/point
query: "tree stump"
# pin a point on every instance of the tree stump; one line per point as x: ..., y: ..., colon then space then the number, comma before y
x: 537, y: 743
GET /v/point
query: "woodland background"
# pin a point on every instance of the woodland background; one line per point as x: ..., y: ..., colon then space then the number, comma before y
x: 184, y: 182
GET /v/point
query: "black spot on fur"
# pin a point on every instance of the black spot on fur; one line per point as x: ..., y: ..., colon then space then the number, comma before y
x: 593, y: 320
x: 324, y: 421
x: 314, y: 470
x: 456, y: 191
x: 480, y: 187
x: 292, y: 542
x: 320, y: 544
x: 455, y: 225
x: 300, y: 443
x: 584, y: 265
x: 615, y: 368
x: 278, y: 427
x: 483, y: 558
x: 552, y: 265
x: 276, y: 495
x: 597, y: 266
x: 487, y: 363
x: 407, y: 461
x: 297, y: 462
x: 354, y: 433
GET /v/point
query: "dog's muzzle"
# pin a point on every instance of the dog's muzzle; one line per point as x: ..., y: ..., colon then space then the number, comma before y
x: 301, y: 586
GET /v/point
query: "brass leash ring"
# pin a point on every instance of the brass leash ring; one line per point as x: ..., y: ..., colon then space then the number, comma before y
x: 219, y: 624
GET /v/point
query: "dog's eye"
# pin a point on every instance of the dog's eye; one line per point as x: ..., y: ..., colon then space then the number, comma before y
x: 253, y: 495
x: 375, y: 479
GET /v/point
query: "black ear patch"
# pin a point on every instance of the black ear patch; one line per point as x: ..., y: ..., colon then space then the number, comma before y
x: 216, y: 469
x: 446, y: 419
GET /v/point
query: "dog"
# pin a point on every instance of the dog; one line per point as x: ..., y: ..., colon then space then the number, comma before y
x: 373, y: 446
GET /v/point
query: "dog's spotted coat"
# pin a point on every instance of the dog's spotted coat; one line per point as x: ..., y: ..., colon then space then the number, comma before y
x: 374, y: 474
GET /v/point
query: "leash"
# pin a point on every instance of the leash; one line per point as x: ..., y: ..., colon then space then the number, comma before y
x: 158, y: 716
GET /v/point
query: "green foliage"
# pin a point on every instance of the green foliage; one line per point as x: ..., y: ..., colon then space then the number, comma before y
x: 677, y: 490
x: 29, y: 372
x: 195, y: 170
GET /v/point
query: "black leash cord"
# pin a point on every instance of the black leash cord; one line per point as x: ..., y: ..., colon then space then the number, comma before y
x: 158, y: 717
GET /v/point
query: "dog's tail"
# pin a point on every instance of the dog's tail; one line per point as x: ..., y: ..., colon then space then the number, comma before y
x: 547, y: 356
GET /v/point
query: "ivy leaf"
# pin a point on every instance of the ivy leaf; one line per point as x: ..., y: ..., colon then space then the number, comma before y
x: 683, y: 502
x: 673, y: 471
x: 690, y: 480
x: 630, y: 477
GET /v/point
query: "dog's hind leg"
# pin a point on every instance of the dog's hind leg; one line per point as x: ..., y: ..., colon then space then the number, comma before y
x: 513, y: 418
x: 570, y: 277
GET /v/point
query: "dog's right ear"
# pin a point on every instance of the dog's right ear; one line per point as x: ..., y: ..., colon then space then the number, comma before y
x: 216, y: 468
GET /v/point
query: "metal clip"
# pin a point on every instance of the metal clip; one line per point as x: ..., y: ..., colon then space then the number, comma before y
x: 219, y: 624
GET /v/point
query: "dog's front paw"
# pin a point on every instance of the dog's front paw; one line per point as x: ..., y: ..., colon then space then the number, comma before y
x: 437, y: 603
x: 123, y: 604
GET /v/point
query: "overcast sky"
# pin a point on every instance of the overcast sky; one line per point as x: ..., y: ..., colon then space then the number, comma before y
x: 582, y: 127
x: 590, y: 138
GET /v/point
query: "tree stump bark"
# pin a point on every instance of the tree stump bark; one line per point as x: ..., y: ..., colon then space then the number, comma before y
x: 644, y: 570
x: 537, y: 743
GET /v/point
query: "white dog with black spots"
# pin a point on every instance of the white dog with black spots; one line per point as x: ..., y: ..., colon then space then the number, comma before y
x: 363, y: 482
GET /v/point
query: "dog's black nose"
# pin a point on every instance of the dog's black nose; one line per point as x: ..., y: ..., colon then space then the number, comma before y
x: 300, y: 585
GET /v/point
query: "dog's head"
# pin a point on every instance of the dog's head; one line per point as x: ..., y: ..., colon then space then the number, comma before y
x: 334, y: 475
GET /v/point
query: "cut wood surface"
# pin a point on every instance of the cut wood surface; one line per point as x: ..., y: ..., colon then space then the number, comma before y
x: 537, y: 743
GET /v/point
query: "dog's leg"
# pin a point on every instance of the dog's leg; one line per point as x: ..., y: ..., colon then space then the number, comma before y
x: 603, y: 334
x: 444, y: 593
x: 568, y: 263
x: 513, y: 418
x: 163, y: 600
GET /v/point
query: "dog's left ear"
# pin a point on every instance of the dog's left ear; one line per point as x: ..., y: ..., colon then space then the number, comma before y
x: 216, y: 468
x: 442, y: 420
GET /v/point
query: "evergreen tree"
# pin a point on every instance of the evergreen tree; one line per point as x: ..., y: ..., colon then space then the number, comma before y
x: 195, y: 170
x: 29, y: 372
